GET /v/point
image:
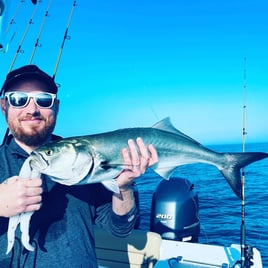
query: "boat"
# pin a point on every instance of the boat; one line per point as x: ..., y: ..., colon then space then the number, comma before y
x: 172, y: 241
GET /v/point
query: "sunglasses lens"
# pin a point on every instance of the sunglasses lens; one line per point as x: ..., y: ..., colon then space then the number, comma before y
x: 18, y: 99
x: 21, y: 99
x: 44, y: 100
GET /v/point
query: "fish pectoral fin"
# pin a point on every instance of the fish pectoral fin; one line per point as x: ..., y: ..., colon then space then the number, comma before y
x: 111, y: 185
x: 82, y: 169
x: 165, y: 172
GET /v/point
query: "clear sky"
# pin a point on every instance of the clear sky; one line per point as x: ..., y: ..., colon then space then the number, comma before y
x: 131, y: 63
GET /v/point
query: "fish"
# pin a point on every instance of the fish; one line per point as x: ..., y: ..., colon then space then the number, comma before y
x: 97, y: 158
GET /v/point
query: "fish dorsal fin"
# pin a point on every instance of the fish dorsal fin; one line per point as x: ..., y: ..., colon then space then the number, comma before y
x: 166, y: 125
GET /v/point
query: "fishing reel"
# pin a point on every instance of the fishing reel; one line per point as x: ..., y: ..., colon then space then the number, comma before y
x: 248, y: 258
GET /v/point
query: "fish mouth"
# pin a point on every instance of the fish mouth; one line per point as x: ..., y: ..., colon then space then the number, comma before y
x: 38, y: 161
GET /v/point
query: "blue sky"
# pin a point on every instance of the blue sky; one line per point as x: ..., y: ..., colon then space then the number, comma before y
x: 132, y: 63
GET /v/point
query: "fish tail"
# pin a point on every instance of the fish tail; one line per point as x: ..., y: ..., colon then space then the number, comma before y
x: 12, y: 225
x: 24, y: 227
x: 236, y: 161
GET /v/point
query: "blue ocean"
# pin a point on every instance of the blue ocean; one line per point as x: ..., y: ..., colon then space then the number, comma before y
x: 219, y: 208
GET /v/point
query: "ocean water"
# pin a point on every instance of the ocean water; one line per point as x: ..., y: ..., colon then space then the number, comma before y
x: 219, y: 208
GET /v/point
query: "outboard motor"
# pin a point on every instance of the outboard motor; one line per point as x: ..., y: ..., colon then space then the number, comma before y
x: 174, y: 213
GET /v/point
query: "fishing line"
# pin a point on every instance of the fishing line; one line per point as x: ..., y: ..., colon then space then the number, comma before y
x: 23, y: 37
x: 65, y: 37
x: 40, y: 32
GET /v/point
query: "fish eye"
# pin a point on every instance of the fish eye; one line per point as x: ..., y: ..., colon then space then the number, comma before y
x: 49, y: 152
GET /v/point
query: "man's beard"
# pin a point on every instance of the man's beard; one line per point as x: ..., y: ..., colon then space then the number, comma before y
x: 36, y: 137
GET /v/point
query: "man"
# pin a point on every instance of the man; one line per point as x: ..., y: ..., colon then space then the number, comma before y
x: 61, y: 229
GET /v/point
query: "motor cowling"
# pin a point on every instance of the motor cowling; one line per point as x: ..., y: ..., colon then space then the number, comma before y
x: 175, y: 210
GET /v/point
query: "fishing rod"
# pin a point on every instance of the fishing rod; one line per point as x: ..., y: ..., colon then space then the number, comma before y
x: 23, y: 37
x: 65, y: 37
x: 40, y: 32
x: 12, y: 21
x: 244, y: 133
x: 20, y: 44
x: 246, y: 250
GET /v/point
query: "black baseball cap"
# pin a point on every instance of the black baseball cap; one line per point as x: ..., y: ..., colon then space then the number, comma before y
x: 26, y: 72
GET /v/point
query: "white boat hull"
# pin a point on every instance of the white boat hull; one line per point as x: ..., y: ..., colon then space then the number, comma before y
x: 195, y: 255
x: 147, y: 249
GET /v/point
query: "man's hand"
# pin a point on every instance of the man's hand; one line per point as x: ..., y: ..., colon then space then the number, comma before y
x: 20, y: 195
x: 137, y: 157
